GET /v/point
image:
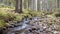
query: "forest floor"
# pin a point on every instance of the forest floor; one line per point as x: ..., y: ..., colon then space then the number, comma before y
x: 47, y: 23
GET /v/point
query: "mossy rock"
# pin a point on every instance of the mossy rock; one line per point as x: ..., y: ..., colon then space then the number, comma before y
x: 56, y: 14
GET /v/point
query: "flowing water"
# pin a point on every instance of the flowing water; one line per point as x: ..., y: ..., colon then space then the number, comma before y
x: 22, y: 25
x: 34, y: 26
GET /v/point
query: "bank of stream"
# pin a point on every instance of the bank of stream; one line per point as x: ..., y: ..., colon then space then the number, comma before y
x: 35, y: 25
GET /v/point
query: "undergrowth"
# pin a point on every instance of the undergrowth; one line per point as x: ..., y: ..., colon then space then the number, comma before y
x: 7, y: 15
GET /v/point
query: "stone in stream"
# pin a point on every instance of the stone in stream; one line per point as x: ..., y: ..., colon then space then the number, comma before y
x: 11, y: 26
x: 56, y: 32
x: 30, y: 30
x: 27, y: 22
x: 15, y: 25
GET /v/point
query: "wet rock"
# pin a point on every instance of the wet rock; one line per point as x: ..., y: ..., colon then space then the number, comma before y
x: 30, y: 30
x: 10, y: 26
x: 34, y: 28
x: 56, y: 32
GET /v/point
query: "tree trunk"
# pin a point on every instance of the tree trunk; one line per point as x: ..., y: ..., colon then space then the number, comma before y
x: 20, y: 6
x: 16, y: 7
x: 58, y: 3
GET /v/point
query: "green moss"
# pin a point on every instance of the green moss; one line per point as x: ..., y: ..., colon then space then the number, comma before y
x: 8, y: 15
x: 56, y: 14
x: 18, y: 17
x: 6, y: 6
x: 26, y: 11
x: 32, y: 13
x: 2, y: 23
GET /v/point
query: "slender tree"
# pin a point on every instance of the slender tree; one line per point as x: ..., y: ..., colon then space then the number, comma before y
x: 16, y: 7
x: 20, y: 7
x: 58, y: 3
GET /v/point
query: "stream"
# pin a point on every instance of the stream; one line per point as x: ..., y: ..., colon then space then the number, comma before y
x: 22, y: 25
x: 36, y: 25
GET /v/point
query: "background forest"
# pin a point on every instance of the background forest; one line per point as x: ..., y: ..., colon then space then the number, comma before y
x: 30, y: 16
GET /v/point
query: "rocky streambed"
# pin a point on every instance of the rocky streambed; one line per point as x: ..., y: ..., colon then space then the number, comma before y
x: 36, y: 25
